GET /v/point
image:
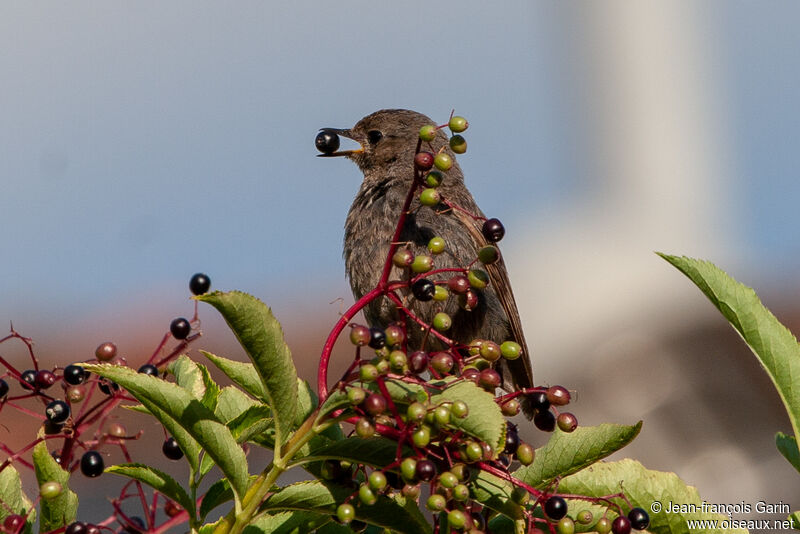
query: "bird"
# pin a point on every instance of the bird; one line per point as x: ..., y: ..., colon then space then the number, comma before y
x: 388, y: 142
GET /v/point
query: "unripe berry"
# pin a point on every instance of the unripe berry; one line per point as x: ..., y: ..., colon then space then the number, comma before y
x: 567, y: 422
x: 430, y: 197
x: 427, y: 132
x: 13, y: 523
x: 436, y: 503
x: 511, y: 350
x: 377, y: 480
x: 50, y: 490
x: 448, y: 480
x: 510, y: 408
x: 456, y: 519
x: 525, y: 454
x: 488, y: 255
x: 442, y: 322
x: 493, y: 230
x: 603, y: 525
x: 345, y: 513
x: 117, y: 430
x: 421, y: 437
x: 403, y: 257
x: 458, y: 284
x: 458, y: 144
x: 565, y: 526
x: 443, y: 161
x: 394, y: 336
x: 411, y: 491
x: 490, y: 351
x: 364, y: 428
x: 366, y: 495
x: 423, y: 161
x: 105, y: 351
x: 459, y: 409
x: 416, y: 412
x: 434, y: 179
x: 473, y: 451
x: 442, y: 362
x: 440, y: 294
x: 200, y: 283
x: 374, y: 404
x: 471, y: 374
x: 461, y: 492
x: 584, y: 517
x: 489, y: 379
x: 436, y: 245
x: 478, y: 278
x: 422, y: 264
x: 359, y: 335
x: 368, y: 372
x: 458, y: 124
x: 441, y: 415
x: 75, y: 394
x: 408, y: 468
x: 418, y: 362
x: 558, y: 395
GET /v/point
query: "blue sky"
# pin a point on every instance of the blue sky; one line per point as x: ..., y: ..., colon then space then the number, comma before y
x: 143, y: 142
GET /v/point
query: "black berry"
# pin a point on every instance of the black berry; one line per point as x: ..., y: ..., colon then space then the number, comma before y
x: 377, y: 338
x: 493, y: 230
x: 512, y: 439
x: 149, y: 369
x: 92, y: 464
x: 3, y: 388
x: 539, y: 401
x: 639, y: 518
x: 545, y: 421
x: 172, y: 450
x: 423, y: 289
x: 75, y: 375
x: 28, y: 379
x: 180, y: 328
x: 425, y: 470
x: 555, y: 507
x: 199, y: 284
x: 78, y: 527
x: 107, y: 386
x: 327, y: 142
x: 621, y: 525
x: 57, y: 412
x: 418, y: 362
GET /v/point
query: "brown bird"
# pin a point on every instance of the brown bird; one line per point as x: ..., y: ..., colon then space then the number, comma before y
x: 388, y: 140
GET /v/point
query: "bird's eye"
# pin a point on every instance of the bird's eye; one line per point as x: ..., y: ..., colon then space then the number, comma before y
x: 373, y: 136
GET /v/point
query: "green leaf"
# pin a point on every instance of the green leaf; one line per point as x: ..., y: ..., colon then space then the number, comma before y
x: 772, y: 343
x: 288, y: 523
x: 61, y: 510
x: 319, y: 497
x: 794, y: 517
x: 261, y: 337
x: 495, y: 493
x: 405, y: 392
x: 377, y: 451
x: 787, y: 445
x: 13, y: 498
x: 243, y: 374
x: 231, y: 403
x: 218, y: 493
x: 643, y: 488
x: 567, y: 453
x: 196, y: 379
x: 485, y: 420
x: 174, y: 402
x: 157, y: 480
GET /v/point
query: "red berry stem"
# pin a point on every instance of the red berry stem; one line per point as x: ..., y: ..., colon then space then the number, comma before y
x: 394, y: 298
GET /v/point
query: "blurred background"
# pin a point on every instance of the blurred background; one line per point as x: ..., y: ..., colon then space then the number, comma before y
x: 141, y: 143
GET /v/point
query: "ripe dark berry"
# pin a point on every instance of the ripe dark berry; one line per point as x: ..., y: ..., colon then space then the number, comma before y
x: 78, y: 527
x: 107, y: 386
x: 327, y: 142
x: 558, y: 395
x: 374, y: 404
x: 75, y: 375
x: 555, y: 507
x: 458, y: 284
x: 199, y: 284
x: 425, y: 470
x: 180, y: 328
x: 423, y: 161
x: 92, y: 464
x: 621, y: 525
x: 418, y: 362
x: 423, y: 290
x: 51, y: 428
x: 57, y: 412
x: 45, y: 379
x: 469, y: 300
x: 105, y: 351
x: 493, y: 230
x: 545, y: 421
x: 377, y: 338
x: 28, y: 379
x: 538, y: 401
x: 13, y: 523
x: 512, y: 439
x: 471, y: 374
x: 172, y: 450
x: 489, y: 379
x: 3, y: 388
x: 639, y: 519
x: 149, y: 369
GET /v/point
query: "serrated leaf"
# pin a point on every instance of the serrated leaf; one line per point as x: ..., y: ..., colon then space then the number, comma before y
x: 319, y: 497
x: 179, y: 405
x: 187, y: 375
x: 13, y: 498
x: 218, y: 493
x: 377, y: 451
x: 231, y: 403
x: 288, y: 523
x: 261, y: 336
x: 61, y: 510
x: 787, y: 445
x: 243, y: 374
x: 644, y: 487
x: 485, y: 420
x: 772, y: 343
x: 567, y: 453
x: 157, y: 480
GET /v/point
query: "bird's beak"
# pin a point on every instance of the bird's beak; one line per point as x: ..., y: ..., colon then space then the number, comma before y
x: 342, y: 133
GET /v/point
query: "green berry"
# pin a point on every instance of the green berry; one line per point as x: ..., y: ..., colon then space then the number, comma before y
x: 488, y: 255
x: 434, y: 179
x: 430, y: 197
x: 366, y: 495
x: 408, y: 469
x: 442, y: 322
x: 458, y: 124
x: 448, y: 480
x: 473, y: 451
x: 442, y: 415
x: 403, y: 257
x: 416, y: 412
x: 394, y: 336
x: 458, y: 144
x: 398, y: 360
x: 368, y: 372
x: 411, y: 491
x: 436, y: 503
x: 427, y: 132
x: 461, y: 492
x: 422, y: 264
x: 50, y: 490
x: 421, y: 437
x: 478, y: 278
x: 356, y: 395
x: 519, y: 495
x: 510, y: 408
x: 377, y: 480
x: 490, y: 351
x: 443, y: 161
x: 510, y: 350
x: 525, y: 454
x: 346, y: 513
x: 436, y: 245
x: 459, y: 409
x: 461, y: 471
x: 364, y: 428
x: 440, y: 294
x: 584, y: 517
x: 456, y: 519
x: 382, y: 366
x: 603, y: 525
x: 442, y: 362
x: 567, y: 422
x: 565, y: 525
